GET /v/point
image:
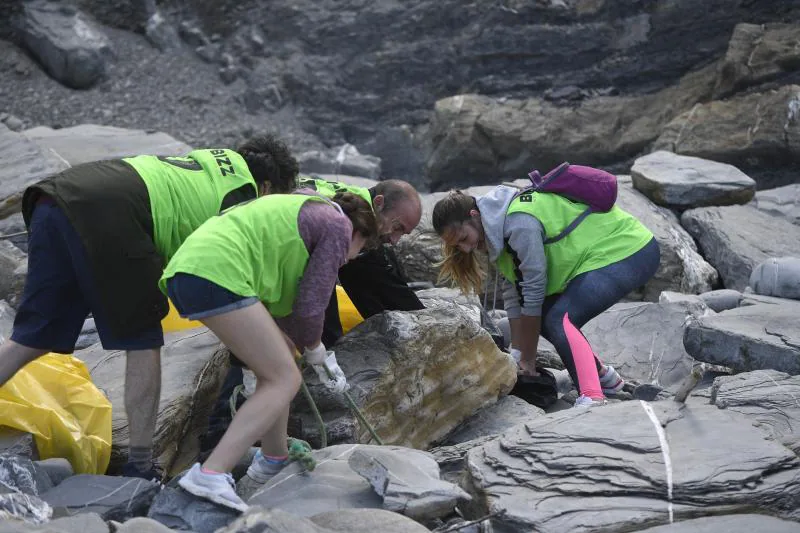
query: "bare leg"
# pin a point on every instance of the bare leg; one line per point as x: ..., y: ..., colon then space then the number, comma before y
x: 14, y: 356
x: 142, y: 393
x: 251, y: 333
x: 274, y: 441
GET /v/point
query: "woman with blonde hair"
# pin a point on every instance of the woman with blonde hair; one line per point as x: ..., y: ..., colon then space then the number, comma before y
x: 273, y: 259
x: 554, y: 284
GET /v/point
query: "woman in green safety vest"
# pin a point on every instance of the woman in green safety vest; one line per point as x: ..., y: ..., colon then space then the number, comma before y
x: 273, y: 259
x: 550, y: 288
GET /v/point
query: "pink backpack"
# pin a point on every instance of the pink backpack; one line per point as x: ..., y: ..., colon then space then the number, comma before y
x: 591, y: 186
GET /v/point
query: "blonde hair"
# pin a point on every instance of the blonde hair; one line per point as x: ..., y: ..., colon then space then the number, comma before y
x: 465, y: 270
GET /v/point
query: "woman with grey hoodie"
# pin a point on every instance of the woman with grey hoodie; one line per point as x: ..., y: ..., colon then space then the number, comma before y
x: 552, y: 287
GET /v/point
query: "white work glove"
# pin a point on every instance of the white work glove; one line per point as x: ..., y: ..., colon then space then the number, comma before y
x: 315, y: 356
x: 339, y: 382
x: 516, y: 354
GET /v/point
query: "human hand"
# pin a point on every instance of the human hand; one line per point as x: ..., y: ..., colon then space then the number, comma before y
x: 337, y: 383
x: 527, y: 368
x: 316, y: 355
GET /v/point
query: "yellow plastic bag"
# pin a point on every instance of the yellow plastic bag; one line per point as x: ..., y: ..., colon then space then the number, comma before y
x: 70, y: 420
x: 174, y: 322
x: 348, y: 314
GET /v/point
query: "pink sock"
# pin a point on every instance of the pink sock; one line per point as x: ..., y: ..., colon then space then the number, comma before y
x: 208, y: 471
x: 585, y: 366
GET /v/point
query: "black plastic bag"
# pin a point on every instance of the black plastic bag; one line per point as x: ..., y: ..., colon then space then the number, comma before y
x: 541, y: 390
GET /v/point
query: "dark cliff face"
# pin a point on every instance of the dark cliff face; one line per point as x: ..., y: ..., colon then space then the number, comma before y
x: 357, y: 66
x: 354, y: 71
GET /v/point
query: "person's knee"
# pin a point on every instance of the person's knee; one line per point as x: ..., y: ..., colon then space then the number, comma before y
x: 284, y: 374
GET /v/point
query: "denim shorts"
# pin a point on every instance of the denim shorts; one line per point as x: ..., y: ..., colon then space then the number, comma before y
x: 195, y: 297
x: 60, y: 291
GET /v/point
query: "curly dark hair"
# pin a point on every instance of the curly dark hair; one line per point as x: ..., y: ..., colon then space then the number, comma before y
x: 361, y: 215
x: 270, y: 160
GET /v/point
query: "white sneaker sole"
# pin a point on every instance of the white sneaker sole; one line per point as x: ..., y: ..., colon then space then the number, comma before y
x: 204, y: 492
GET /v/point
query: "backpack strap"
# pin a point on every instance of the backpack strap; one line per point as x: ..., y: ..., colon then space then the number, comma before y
x: 574, y: 224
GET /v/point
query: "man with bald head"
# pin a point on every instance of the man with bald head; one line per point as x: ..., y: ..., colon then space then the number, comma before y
x: 374, y: 281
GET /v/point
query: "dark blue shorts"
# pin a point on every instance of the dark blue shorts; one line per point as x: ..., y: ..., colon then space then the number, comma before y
x: 196, y: 298
x: 60, y: 292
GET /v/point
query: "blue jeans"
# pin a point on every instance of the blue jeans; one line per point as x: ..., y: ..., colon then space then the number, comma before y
x: 591, y: 293
x: 60, y: 291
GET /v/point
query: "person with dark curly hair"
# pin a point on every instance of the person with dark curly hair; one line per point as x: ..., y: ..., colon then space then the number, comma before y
x: 99, y: 236
x: 259, y: 276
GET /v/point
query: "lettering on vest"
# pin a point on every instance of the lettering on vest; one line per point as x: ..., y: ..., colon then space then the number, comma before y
x: 186, y: 163
x: 225, y: 165
x: 526, y: 198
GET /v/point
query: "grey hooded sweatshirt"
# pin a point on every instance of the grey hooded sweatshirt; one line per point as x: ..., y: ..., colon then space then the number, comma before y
x: 524, y: 235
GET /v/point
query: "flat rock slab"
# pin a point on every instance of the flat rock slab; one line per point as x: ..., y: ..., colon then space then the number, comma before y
x: 362, y: 476
x: 771, y: 399
x: 734, y: 239
x: 112, y: 497
x: 736, y: 523
x: 22, y: 163
x: 80, y: 523
x: 92, y: 142
x: 495, y: 419
x: 753, y: 337
x: 408, y: 481
x: 680, y: 181
x: 333, y: 485
x: 628, y: 466
x: 345, y: 521
x: 644, y: 341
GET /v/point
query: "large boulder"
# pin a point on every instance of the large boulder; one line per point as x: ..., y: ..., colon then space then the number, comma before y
x: 734, y: 239
x: 92, y: 142
x: 66, y: 42
x: 752, y: 337
x: 356, y: 476
x: 682, y: 182
x: 777, y: 276
x: 476, y: 139
x: 661, y: 462
x: 757, y: 53
x: 754, y: 131
x: 415, y: 376
x: 193, y: 366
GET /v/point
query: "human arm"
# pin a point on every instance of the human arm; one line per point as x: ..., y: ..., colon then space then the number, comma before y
x: 326, y: 234
x: 523, y: 300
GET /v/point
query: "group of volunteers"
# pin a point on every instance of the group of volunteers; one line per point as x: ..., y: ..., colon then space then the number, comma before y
x: 241, y: 242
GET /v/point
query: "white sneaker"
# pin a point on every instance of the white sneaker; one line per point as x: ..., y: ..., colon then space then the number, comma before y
x: 584, y: 402
x: 218, y: 488
x: 261, y: 470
